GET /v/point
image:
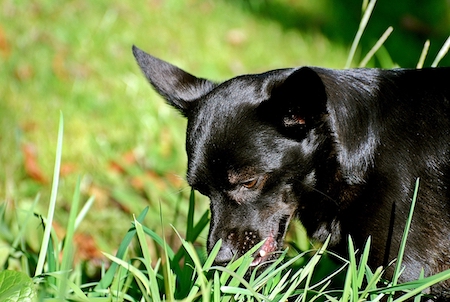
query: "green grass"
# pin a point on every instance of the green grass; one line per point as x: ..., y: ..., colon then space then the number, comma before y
x: 123, y: 148
x: 186, y: 273
x: 76, y: 58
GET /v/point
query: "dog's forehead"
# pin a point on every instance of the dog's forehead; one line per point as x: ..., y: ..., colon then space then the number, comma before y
x: 225, y: 107
x: 224, y: 129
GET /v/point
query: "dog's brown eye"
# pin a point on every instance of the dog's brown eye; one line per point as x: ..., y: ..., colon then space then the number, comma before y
x: 250, y: 183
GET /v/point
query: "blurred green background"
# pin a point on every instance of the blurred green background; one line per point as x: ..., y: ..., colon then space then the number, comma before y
x: 74, y: 57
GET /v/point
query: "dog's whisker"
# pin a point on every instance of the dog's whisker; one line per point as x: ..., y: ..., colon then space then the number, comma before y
x: 322, y: 193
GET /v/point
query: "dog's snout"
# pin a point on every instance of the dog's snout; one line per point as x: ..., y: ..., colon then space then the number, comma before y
x: 225, y: 254
x: 235, y: 244
x: 248, y: 240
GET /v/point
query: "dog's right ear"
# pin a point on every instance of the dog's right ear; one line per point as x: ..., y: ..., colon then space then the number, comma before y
x: 297, y: 101
x: 178, y: 87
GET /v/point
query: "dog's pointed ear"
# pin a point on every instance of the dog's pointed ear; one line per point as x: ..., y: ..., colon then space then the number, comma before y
x: 296, y: 102
x: 178, y: 87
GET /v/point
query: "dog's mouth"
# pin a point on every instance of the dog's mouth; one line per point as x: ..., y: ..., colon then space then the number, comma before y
x: 271, y: 244
x: 265, y: 251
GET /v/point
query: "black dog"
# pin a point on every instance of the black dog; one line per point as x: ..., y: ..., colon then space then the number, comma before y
x: 338, y: 149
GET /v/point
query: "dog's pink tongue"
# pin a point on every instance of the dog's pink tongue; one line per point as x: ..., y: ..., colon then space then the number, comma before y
x: 269, y: 246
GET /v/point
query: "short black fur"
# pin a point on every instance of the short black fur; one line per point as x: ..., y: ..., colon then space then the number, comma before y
x: 338, y: 149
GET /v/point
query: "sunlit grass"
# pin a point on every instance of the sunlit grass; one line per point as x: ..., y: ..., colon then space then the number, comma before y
x: 134, y: 274
x: 76, y: 58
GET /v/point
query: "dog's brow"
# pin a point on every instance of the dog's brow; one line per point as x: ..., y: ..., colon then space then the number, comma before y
x: 235, y: 177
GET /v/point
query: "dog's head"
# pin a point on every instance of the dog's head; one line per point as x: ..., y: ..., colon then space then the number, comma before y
x: 251, y: 144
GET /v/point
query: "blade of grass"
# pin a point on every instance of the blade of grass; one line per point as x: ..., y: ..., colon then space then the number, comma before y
x: 62, y: 277
x: 405, y: 235
x: 372, y: 280
x: 353, y: 269
x: 376, y: 47
x: 190, y: 217
x: 415, y: 287
x: 234, y: 289
x: 201, y: 278
x: 216, y: 287
x: 24, y: 223
x: 279, y: 286
x: 69, y: 249
x: 105, y: 282
x: 237, y: 263
x: 200, y: 226
x: 423, y: 55
x: 84, y: 211
x: 422, y: 275
x: 307, y: 270
x: 441, y: 53
x: 132, y: 269
x: 51, y: 207
x: 169, y: 277
x: 362, y: 27
x: 347, y: 285
x: 147, y: 261
x: 160, y: 241
x: 363, y: 262
x: 212, y: 255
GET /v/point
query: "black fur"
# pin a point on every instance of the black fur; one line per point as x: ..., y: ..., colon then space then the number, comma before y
x: 338, y: 149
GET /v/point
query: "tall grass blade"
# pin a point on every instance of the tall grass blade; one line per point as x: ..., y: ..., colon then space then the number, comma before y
x: 169, y: 278
x: 235, y: 289
x: 190, y: 217
x: 201, y: 278
x: 105, y: 282
x: 51, y: 207
x: 405, y: 235
x: 147, y: 261
x: 212, y: 255
x: 422, y: 275
x: 24, y: 223
x: 417, y: 286
x: 140, y: 276
x: 159, y: 240
x: 84, y: 211
x: 363, y: 262
x: 423, y: 55
x: 307, y: 270
x: 441, y: 53
x: 372, y: 281
x: 376, y: 47
x: 354, y: 271
x: 216, y: 287
x: 359, y: 33
x: 68, y: 248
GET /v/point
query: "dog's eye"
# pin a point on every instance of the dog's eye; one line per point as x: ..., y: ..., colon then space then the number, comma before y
x: 251, y: 183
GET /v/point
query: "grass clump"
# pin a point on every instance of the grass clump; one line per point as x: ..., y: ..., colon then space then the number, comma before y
x: 134, y: 274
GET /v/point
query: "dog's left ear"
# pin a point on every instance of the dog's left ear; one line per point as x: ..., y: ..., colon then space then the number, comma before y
x: 297, y: 102
x: 178, y: 87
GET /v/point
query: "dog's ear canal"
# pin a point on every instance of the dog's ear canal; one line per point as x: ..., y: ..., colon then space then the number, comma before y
x: 178, y: 87
x: 296, y: 102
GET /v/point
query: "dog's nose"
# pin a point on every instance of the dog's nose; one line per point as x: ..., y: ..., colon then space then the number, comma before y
x: 225, y: 254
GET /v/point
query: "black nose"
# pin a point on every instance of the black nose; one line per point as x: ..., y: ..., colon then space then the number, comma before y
x: 225, y: 254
